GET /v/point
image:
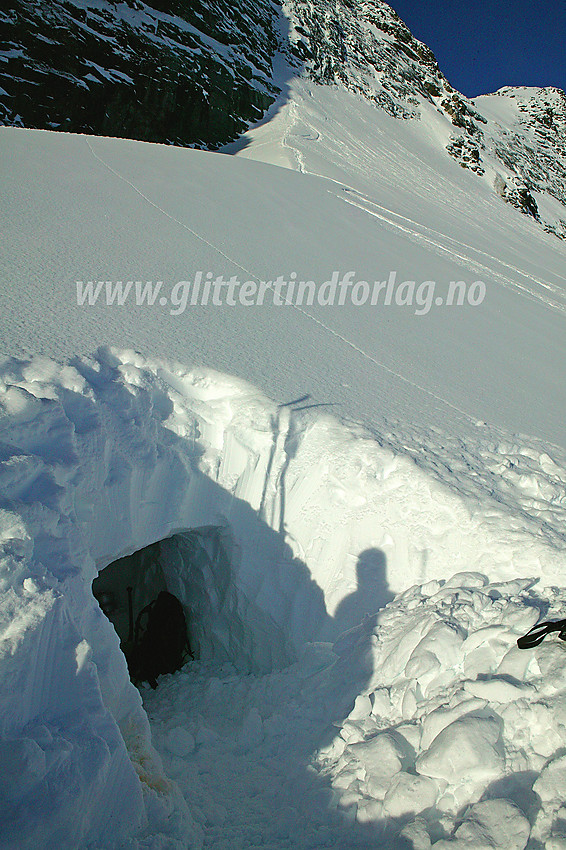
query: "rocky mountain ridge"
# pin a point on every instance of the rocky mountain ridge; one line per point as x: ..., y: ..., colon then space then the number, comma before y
x: 368, y: 49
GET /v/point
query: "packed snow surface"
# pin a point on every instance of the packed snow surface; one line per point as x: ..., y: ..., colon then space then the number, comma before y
x: 361, y: 507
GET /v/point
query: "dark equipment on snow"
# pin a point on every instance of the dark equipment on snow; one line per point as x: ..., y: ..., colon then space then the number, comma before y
x: 107, y: 602
x: 538, y: 633
x: 160, y: 643
x: 130, y: 613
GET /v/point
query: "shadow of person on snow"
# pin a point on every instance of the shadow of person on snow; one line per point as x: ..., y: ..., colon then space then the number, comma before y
x: 371, y: 594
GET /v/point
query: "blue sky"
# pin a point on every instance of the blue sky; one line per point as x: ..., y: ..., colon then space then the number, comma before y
x: 481, y: 47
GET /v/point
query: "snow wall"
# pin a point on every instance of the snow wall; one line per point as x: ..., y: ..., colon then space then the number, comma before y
x: 295, y: 526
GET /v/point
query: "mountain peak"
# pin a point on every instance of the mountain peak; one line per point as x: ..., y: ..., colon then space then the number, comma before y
x: 367, y: 48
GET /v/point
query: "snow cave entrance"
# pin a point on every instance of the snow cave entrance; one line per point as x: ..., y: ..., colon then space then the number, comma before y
x: 199, y: 567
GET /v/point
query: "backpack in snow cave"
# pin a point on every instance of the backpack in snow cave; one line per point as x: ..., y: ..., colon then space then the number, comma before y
x: 161, y: 644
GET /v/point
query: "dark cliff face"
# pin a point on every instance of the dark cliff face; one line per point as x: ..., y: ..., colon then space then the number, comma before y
x: 186, y: 72
x: 197, y: 72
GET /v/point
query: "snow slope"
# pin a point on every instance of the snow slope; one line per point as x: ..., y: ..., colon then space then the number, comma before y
x: 347, y: 458
x: 155, y: 214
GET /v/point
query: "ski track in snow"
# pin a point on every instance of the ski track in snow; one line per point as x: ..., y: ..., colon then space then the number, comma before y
x: 552, y: 296
x: 557, y: 302
x: 305, y: 313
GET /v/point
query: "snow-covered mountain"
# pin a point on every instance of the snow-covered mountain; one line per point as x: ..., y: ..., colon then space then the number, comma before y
x: 359, y: 502
x: 366, y: 48
x: 196, y: 74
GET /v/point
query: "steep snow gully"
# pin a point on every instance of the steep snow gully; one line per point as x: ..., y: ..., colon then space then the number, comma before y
x: 306, y: 719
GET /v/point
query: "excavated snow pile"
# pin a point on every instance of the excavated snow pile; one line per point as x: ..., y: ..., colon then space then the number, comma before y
x: 281, y: 530
x: 425, y: 725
